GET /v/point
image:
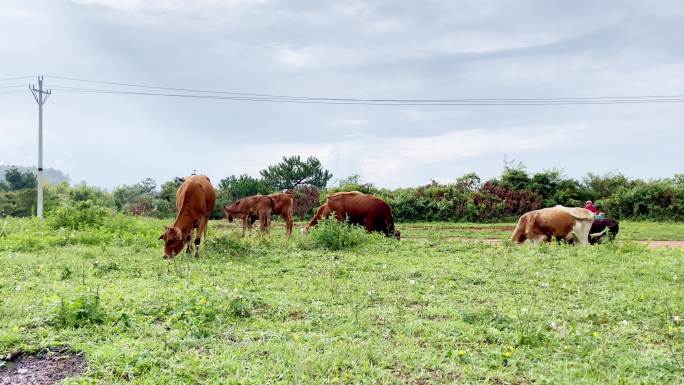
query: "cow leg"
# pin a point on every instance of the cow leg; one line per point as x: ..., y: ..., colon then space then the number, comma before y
x: 202, y: 229
x: 537, y: 239
x: 263, y: 222
x: 244, y: 224
x: 288, y: 223
x: 188, y: 243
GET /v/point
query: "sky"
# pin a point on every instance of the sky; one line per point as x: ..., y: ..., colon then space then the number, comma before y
x: 344, y: 49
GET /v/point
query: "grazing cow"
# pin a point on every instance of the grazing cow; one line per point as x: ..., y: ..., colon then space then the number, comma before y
x: 259, y: 206
x: 282, y: 205
x: 195, y: 200
x: 602, y: 227
x: 563, y: 223
x: 358, y: 208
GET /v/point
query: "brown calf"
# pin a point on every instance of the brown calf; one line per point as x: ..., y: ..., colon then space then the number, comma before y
x: 195, y: 200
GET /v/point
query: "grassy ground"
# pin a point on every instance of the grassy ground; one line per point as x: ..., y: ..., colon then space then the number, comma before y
x: 275, y: 310
x: 629, y: 230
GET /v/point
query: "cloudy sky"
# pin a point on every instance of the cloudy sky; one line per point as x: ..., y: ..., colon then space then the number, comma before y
x: 347, y: 49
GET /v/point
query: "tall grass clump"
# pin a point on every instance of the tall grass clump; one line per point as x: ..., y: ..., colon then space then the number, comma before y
x: 227, y: 245
x: 78, y: 215
x: 80, y: 311
x: 333, y: 235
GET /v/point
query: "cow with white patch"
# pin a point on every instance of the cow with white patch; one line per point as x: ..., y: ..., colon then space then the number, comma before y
x: 562, y: 223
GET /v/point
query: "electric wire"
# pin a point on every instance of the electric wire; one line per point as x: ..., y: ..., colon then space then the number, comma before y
x: 464, y: 102
x: 17, y: 78
x: 335, y: 99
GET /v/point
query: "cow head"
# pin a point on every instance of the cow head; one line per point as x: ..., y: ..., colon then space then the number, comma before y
x: 231, y: 210
x: 174, y: 241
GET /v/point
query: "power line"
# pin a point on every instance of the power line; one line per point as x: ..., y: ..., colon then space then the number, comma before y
x: 395, y: 102
x: 14, y: 86
x: 12, y: 92
x: 17, y: 78
x: 270, y: 97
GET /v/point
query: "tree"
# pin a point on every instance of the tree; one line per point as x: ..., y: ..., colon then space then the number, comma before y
x: 169, y: 189
x: 18, y: 180
x: 469, y: 182
x: 125, y: 195
x: 515, y: 178
x: 353, y: 183
x: 243, y: 186
x: 292, y: 172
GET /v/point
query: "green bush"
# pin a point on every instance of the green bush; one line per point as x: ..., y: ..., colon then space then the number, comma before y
x: 333, y: 235
x: 78, y: 215
x: 81, y: 311
x: 231, y: 245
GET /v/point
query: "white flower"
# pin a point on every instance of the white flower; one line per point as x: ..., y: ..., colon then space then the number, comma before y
x: 625, y: 322
x: 412, y: 281
x: 676, y: 319
x: 524, y: 310
x: 18, y: 288
x: 544, y: 285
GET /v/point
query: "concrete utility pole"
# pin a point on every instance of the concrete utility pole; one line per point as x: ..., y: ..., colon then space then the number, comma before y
x: 41, y: 97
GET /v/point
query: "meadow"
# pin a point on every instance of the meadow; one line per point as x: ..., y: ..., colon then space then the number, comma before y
x: 342, y: 307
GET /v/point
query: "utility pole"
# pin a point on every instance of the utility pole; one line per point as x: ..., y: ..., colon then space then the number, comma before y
x: 41, y: 97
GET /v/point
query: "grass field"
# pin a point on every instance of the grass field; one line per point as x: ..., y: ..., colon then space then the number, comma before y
x: 267, y: 309
x: 629, y: 230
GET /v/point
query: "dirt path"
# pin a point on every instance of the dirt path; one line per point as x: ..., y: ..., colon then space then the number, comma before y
x: 495, y: 241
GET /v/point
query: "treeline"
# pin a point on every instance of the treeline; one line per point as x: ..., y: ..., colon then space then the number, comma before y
x: 468, y: 199
x: 515, y: 192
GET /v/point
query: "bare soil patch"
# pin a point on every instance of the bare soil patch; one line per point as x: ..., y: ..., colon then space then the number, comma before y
x: 46, y: 367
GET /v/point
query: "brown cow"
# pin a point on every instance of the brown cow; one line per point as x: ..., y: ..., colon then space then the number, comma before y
x: 358, y: 208
x: 259, y: 206
x: 282, y: 205
x: 195, y: 200
x: 563, y: 223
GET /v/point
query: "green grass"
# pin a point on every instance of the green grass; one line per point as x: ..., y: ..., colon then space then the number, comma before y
x: 266, y: 309
x: 629, y: 230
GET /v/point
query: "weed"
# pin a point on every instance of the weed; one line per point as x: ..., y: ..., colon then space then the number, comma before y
x: 80, y: 311
x: 333, y: 235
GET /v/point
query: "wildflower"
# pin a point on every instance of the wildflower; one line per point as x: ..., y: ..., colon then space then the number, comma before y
x: 625, y: 322
x: 524, y: 310
x: 553, y: 325
x: 676, y: 319
x: 508, y: 354
x: 461, y: 353
x: 595, y: 334
x: 544, y: 285
x: 412, y: 281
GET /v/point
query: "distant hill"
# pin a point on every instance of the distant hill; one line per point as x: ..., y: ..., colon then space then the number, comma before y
x: 51, y: 175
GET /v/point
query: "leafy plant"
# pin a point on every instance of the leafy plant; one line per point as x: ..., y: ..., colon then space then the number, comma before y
x: 78, y: 215
x: 80, y: 311
x: 333, y: 235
